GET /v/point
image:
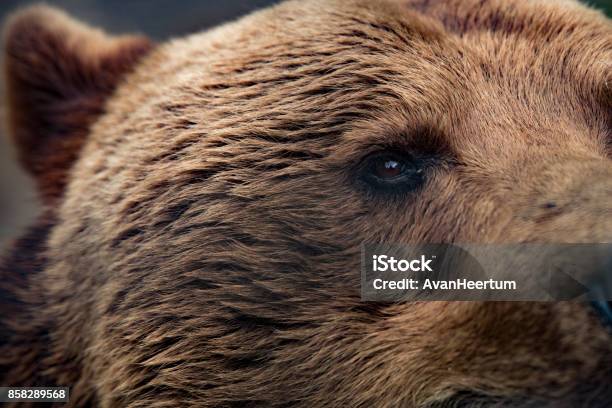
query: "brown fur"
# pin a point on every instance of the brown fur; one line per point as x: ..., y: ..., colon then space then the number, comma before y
x: 205, y: 251
x: 60, y: 74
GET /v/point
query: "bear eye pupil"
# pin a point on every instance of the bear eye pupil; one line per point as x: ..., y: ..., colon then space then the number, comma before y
x: 392, y: 172
x: 388, y: 168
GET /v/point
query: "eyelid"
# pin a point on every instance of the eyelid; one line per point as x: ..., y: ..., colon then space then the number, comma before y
x: 380, y: 151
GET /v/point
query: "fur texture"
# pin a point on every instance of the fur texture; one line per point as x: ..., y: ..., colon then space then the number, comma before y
x: 60, y: 74
x: 206, y: 248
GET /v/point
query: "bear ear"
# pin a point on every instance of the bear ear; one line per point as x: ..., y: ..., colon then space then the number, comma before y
x: 58, y: 75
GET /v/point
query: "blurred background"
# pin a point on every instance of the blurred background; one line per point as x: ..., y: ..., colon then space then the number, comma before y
x: 159, y: 19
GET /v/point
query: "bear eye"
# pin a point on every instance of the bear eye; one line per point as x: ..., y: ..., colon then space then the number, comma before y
x: 390, y: 170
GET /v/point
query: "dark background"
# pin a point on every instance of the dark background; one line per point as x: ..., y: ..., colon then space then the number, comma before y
x: 159, y: 19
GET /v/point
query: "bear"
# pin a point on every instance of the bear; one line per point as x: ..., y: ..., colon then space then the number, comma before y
x: 206, y: 199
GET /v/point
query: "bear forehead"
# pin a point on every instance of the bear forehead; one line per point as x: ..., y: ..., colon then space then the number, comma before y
x: 463, y: 68
x: 430, y: 54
